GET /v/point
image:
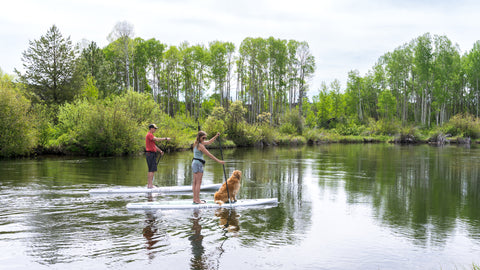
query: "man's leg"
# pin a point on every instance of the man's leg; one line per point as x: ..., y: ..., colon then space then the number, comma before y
x: 150, y: 179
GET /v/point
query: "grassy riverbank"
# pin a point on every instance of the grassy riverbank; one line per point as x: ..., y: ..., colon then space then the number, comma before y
x: 117, y: 126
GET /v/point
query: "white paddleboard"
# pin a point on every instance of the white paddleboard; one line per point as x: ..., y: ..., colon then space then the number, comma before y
x: 188, y: 204
x: 166, y: 190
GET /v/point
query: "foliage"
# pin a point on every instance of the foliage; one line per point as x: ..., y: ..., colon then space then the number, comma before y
x: 17, y: 135
x: 218, y: 113
x: 465, y: 125
x: 266, y: 134
x: 314, y: 135
x: 285, y: 139
x: 111, y: 127
x: 264, y: 118
x: 292, y: 123
x: 89, y: 90
x: 387, y: 127
x: 387, y: 104
x: 44, y: 124
x: 140, y: 107
x: 350, y: 128
x: 288, y: 128
x: 213, y: 125
x: 236, y: 125
x: 132, y: 82
x: 272, y: 73
x: 49, y: 65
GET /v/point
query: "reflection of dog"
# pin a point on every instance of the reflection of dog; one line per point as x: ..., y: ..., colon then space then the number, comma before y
x: 233, y: 183
x: 228, y: 219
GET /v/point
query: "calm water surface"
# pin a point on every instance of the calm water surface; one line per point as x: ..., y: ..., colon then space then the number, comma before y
x: 340, y: 207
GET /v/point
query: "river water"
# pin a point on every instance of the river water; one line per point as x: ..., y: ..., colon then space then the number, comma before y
x: 373, y: 206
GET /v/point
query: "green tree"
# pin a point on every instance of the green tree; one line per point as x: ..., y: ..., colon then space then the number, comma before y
x: 49, y: 65
x: 387, y: 105
x: 92, y: 63
x: 121, y: 41
x: 398, y: 66
x: 323, y: 106
x: 140, y: 65
x: 155, y: 53
x: 423, y: 68
x: 447, y: 77
x: 17, y: 135
x: 170, y: 78
x: 472, y: 69
x: 219, y: 70
x: 354, y: 95
x: 306, y: 67
x: 337, y: 101
x: 89, y: 90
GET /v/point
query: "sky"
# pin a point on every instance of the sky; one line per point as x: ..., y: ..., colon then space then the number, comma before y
x: 343, y: 35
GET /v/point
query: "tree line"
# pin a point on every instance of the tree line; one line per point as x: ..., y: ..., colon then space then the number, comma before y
x: 269, y: 74
x: 72, y: 93
x: 424, y: 82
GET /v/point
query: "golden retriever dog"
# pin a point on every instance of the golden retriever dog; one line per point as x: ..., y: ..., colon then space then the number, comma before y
x: 233, y: 184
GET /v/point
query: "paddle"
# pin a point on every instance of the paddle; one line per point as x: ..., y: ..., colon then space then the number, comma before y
x: 224, y: 173
x: 160, y: 158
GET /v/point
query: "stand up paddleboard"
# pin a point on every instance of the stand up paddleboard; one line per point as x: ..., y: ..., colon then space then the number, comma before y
x: 165, y: 190
x: 188, y: 204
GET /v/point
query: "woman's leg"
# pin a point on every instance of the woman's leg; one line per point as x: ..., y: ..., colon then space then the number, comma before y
x: 197, y: 182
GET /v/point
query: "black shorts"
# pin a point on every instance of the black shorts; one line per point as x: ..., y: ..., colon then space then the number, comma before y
x: 152, y: 161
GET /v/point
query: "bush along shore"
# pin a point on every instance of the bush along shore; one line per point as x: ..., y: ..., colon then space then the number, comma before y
x: 118, y: 125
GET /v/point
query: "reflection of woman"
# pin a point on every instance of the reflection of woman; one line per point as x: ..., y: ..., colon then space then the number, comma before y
x: 197, y: 262
x: 198, y: 162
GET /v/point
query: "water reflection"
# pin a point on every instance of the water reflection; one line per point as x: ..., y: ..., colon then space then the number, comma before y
x: 198, y: 260
x: 422, y: 189
x: 417, y: 202
x: 228, y: 219
x: 150, y: 232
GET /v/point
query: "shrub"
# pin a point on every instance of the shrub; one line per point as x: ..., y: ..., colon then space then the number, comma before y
x: 111, y: 132
x: 349, y: 129
x: 112, y: 127
x: 267, y: 133
x: 264, y: 118
x: 17, y: 135
x: 243, y: 135
x: 288, y: 128
x: 314, y: 135
x: 44, y: 124
x: 140, y: 107
x: 464, y: 124
x: 387, y: 127
x: 292, y: 119
x: 213, y: 125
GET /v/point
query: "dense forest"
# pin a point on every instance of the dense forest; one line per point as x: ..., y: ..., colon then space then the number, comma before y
x: 83, y: 99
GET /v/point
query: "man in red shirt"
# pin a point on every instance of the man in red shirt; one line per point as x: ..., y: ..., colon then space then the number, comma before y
x: 152, y: 150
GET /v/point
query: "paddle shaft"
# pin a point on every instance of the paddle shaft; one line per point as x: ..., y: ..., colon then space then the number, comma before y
x: 224, y: 173
x: 158, y: 161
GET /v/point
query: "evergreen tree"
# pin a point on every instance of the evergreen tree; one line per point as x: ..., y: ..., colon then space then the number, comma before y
x: 49, y: 65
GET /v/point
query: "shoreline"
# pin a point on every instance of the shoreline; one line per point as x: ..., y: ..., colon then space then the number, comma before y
x: 294, y: 142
